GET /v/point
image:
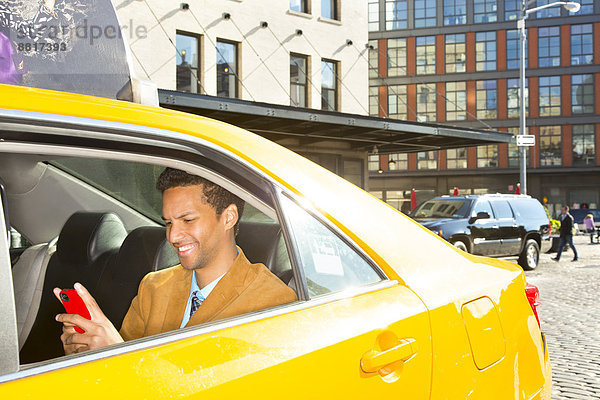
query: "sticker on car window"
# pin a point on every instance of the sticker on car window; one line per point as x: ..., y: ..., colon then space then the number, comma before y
x: 325, y: 255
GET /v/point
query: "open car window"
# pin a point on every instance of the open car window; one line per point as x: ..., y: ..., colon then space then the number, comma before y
x: 46, y: 193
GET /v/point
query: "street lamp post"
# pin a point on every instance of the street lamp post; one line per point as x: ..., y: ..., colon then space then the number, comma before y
x: 572, y: 7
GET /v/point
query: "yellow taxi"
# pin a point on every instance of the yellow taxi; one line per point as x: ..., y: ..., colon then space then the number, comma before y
x: 385, y: 308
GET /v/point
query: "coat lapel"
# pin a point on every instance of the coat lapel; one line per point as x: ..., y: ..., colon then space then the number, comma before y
x: 227, y: 290
x: 178, y: 293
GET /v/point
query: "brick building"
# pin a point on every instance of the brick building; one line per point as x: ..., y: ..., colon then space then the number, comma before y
x: 456, y: 62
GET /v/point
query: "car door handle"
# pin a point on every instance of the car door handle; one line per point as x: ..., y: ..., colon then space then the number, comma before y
x: 373, y: 361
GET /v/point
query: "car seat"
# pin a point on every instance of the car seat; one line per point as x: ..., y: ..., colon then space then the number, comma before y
x: 85, y: 244
x: 144, y: 250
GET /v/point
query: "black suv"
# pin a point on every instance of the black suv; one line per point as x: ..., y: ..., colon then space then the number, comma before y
x: 491, y: 225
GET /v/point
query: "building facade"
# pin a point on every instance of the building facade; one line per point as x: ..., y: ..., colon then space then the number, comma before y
x: 309, y: 54
x: 456, y: 62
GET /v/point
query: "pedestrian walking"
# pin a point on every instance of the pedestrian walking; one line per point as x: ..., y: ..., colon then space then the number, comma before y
x: 588, y: 223
x: 566, y: 233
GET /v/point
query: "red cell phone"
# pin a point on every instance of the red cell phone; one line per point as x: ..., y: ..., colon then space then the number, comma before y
x: 74, y: 305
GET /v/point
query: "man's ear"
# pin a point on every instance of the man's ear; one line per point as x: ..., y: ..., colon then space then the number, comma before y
x: 230, y: 216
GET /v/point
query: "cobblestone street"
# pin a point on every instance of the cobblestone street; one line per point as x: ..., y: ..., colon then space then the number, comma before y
x: 570, y: 317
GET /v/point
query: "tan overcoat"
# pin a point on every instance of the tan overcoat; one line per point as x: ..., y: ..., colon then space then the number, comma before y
x: 163, y: 295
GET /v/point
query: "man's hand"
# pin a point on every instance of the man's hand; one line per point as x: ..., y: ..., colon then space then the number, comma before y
x: 99, y: 331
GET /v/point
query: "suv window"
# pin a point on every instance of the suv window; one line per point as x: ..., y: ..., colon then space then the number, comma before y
x: 502, y: 209
x: 442, y: 208
x: 482, y: 206
x: 329, y: 264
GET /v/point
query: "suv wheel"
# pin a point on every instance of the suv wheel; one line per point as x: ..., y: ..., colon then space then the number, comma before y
x: 460, y: 245
x: 530, y: 256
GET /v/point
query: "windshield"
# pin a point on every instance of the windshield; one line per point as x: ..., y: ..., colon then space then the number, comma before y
x: 443, y: 208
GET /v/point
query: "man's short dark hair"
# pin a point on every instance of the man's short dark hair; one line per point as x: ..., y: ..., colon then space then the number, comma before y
x: 216, y: 197
x: 566, y: 208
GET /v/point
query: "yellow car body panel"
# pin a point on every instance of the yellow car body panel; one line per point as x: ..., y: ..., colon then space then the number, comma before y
x: 442, y: 277
x: 228, y: 363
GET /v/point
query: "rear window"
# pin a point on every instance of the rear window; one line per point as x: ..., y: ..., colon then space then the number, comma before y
x: 528, y: 209
x: 443, y: 208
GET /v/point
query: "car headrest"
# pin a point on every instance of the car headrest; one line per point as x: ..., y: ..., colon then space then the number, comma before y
x: 87, y: 235
x: 145, y: 249
x: 258, y: 240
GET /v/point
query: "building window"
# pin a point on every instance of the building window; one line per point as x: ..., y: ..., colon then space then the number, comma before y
x: 299, y: 5
x: 456, y: 53
x: 373, y: 15
x: 329, y: 9
x: 425, y: 13
x: 549, y: 46
x: 484, y: 11
x: 188, y: 61
x: 486, y: 99
x: 373, y: 162
x: 425, y: 55
x: 587, y: 7
x: 513, y: 50
x: 456, y: 158
x: 582, y: 44
x: 513, y: 103
x: 397, y: 107
x: 511, y: 9
x: 547, y: 12
x: 426, y: 104
x: 374, y: 101
x: 549, y: 100
x: 487, y: 156
x: 550, y: 146
x: 584, y: 147
x: 427, y: 160
x: 298, y: 80
x: 396, y: 57
x: 456, y: 101
x: 396, y: 14
x: 455, y: 12
x: 582, y: 94
x: 514, y: 157
x: 373, y: 59
x: 397, y: 161
x: 485, y: 51
x: 329, y: 86
x: 227, y: 79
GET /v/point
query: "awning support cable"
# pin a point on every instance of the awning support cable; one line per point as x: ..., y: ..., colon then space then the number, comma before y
x: 309, y: 78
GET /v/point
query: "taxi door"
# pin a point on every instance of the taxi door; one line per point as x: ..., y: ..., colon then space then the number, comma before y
x: 352, y: 334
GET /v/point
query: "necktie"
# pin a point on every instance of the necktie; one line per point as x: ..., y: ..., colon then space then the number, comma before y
x: 197, y: 300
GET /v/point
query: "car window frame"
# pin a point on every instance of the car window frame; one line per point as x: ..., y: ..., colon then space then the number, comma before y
x: 67, y: 128
x: 9, y: 340
x: 335, y: 230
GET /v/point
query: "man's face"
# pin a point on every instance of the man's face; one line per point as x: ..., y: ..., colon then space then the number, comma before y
x: 563, y: 210
x: 193, y: 227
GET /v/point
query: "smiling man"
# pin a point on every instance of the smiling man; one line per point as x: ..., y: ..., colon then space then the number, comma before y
x: 214, y: 280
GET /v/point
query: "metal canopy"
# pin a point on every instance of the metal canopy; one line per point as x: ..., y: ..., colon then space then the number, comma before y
x: 277, y: 122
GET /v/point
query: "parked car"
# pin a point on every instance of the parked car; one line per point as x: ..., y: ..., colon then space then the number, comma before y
x: 385, y: 306
x: 498, y: 225
x: 580, y: 213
